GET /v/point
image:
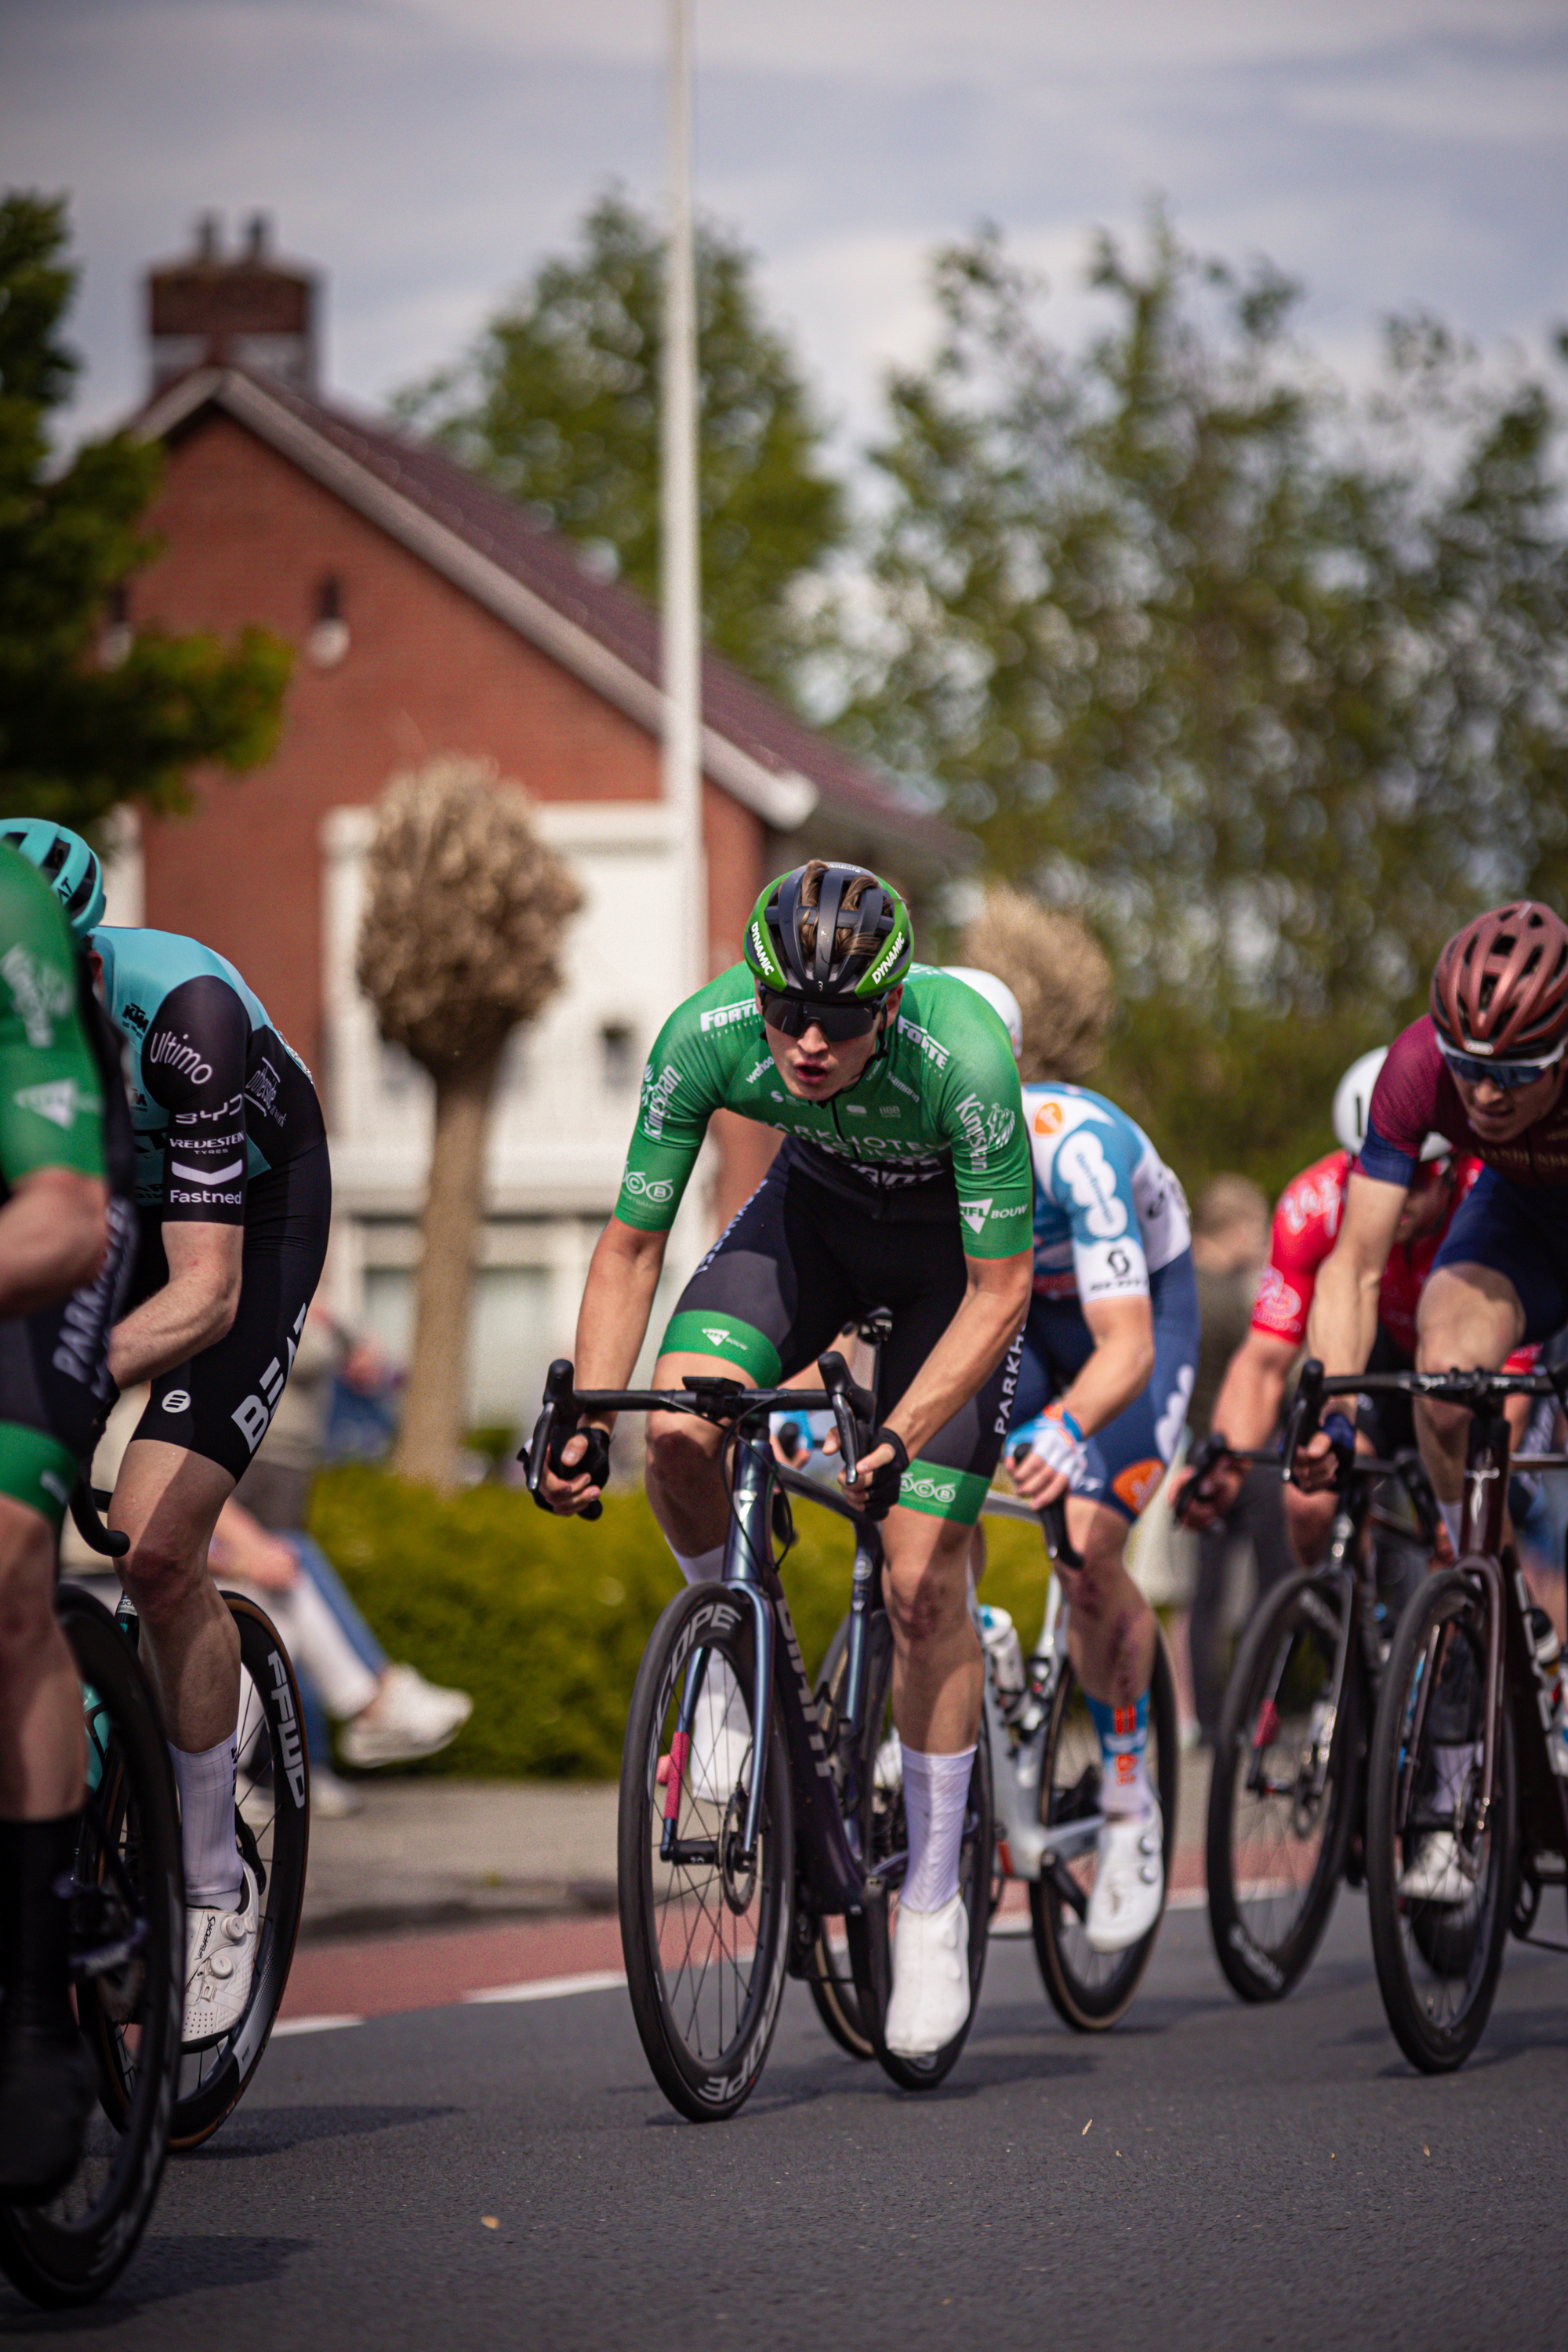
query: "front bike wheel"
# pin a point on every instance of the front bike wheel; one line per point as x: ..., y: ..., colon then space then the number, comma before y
x: 1089, y: 1989
x: 705, y: 1926
x: 272, y: 1829
x: 1437, y: 1961
x: 128, y: 1951
x: 1282, y: 1799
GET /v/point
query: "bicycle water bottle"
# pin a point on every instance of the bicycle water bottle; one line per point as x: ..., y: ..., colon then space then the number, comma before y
x: 1005, y: 1653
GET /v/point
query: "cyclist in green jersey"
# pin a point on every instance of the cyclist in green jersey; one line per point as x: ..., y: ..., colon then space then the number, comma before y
x: 903, y: 1182
x: 56, y: 1264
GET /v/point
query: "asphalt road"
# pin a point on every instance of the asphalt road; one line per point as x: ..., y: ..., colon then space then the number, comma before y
x: 1205, y: 2174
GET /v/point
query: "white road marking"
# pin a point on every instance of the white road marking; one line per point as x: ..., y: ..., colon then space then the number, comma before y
x: 553, y: 1987
x: 313, y: 2024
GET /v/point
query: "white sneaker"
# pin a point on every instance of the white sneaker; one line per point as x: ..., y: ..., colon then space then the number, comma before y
x: 220, y: 1960
x: 1128, y: 1881
x: 407, y: 1719
x: 1437, y: 1873
x: 930, y: 1979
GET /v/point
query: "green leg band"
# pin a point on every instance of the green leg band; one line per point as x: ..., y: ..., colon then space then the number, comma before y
x: 689, y: 1334
x: 954, y: 1495
x: 37, y: 1470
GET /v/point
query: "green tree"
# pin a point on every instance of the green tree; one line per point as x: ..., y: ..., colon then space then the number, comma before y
x: 1267, y: 682
x: 558, y: 404
x: 79, y: 735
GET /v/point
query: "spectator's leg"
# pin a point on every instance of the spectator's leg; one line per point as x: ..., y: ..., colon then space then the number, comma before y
x: 337, y: 1599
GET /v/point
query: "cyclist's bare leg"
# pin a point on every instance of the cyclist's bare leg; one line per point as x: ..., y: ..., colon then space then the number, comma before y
x: 937, y: 1669
x: 1308, y: 1519
x: 1111, y: 1627
x: 167, y: 1501
x: 1469, y: 1315
x: 681, y: 1470
x: 41, y: 1743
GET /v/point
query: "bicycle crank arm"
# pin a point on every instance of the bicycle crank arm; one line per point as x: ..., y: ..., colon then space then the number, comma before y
x: 1066, y: 1887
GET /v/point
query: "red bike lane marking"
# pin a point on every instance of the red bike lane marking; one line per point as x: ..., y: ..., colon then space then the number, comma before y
x: 379, y: 1975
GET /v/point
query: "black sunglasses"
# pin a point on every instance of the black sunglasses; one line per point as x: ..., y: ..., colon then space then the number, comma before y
x: 792, y: 1016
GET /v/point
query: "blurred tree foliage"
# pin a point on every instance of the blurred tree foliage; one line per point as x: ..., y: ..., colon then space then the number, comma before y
x: 1270, y: 684
x: 558, y: 403
x: 79, y: 734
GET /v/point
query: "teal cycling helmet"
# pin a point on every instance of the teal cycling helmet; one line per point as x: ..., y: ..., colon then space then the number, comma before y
x: 69, y: 868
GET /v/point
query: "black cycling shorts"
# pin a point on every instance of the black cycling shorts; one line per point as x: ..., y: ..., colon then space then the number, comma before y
x: 220, y: 1403
x: 55, y: 1389
x: 795, y: 1265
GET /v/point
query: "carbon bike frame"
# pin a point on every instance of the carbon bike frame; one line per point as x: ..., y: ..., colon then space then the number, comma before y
x: 1513, y: 1675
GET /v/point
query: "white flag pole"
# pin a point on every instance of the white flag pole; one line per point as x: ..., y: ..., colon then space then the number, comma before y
x: 679, y: 576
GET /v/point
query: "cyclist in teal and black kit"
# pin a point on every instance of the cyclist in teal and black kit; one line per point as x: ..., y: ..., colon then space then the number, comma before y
x: 232, y: 1185
x: 66, y: 1232
x: 903, y: 1182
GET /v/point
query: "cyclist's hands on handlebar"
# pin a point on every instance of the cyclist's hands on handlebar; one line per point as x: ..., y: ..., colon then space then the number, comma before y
x: 1202, y: 1497
x: 584, y: 1459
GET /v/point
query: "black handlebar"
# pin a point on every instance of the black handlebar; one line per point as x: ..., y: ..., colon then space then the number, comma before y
x: 86, y: 1502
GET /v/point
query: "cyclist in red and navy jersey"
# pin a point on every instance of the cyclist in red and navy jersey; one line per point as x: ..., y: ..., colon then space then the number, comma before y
x: 1306, y: 1224
x: 1483, y: 1067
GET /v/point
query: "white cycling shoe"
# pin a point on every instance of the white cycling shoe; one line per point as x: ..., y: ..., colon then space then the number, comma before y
x: 930, y: 1979
x: 220, y: 1961
x: 1128, y: 1881
x: 1437, y: 1873
x: 721, y: 1739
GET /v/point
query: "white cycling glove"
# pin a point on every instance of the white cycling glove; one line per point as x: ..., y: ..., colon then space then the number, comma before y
x: 1057, y: 1438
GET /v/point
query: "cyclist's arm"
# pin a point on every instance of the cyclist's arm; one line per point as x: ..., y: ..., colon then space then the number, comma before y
x: 195, y: 1309
x: 1246, y: 1413
x: 1122, y: 1365
x: 1342, y: 1326
x: 994, y: 1303
x: 54, y: 1230
x: 612, y: 1323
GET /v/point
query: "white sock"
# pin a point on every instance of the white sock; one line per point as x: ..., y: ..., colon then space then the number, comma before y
x: 205, y: 1783
x: 935, y: 1790
x: 1451, y: 1513
x: 703, y: 1567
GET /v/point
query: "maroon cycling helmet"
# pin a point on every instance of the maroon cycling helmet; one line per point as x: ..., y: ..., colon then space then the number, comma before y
x: 1500, y: 988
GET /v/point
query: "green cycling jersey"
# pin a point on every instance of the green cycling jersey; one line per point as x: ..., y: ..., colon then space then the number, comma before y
x: 51, y: 1096
x: 931, y: 1130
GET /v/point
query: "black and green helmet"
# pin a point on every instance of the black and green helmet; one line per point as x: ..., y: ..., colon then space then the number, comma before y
x: 792, y: 939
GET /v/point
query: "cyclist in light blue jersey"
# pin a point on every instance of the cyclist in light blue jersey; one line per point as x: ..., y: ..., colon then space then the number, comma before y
x: 1109, y: 1352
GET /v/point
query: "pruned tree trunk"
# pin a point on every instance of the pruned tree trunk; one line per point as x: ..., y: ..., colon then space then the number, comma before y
x: 435, y: 1398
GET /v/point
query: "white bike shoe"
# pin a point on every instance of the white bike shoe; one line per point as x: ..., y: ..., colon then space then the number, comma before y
x: 721, y: 1739
x: 220, y: 1961
x: 1128, y: 1881
x: 930, y: 1979
x: 1437, y: 1873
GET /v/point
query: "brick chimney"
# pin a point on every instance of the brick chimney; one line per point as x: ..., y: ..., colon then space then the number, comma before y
x: 248, y: 308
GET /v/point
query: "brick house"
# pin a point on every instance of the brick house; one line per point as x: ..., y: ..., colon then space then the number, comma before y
x: 430, y: 613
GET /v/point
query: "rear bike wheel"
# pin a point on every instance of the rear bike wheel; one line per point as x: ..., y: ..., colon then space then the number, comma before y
x: 706, y: 1931
x: 873, y: 1808
x: 1089, y: 1989
x: 128, y: 1951
x: 830, y: 1976
x: 272, y: 1829
x: 1437, y: 1962
x: 1276, y: 1840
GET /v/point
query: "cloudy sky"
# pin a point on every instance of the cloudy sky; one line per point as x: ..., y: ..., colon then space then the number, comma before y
x: 425, y: 152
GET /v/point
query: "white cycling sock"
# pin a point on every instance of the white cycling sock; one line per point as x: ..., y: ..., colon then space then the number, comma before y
x: 1451, y: 1514
x: 703, y: 1567
x: 205, y: 1778
x: 935, y: 1790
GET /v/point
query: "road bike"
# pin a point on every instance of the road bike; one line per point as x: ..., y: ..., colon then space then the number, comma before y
x: 127, y: 1967
x: 732, y: 1875
x: 1044, y: 1762
x: 1287, y: 1811
x: 272, y: 1831
x: 1468, y: 1744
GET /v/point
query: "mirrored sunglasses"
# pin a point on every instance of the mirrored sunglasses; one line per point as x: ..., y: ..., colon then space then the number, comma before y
x: 792, y: 1016
x: 1506, y: 1076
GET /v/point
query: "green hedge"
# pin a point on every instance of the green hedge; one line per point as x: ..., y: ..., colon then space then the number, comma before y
x: 543, y: 1622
